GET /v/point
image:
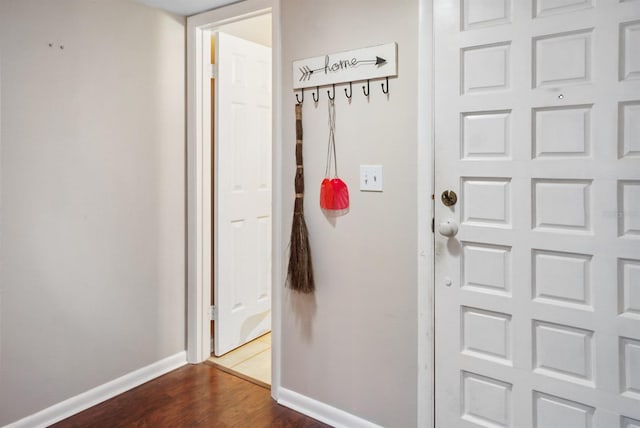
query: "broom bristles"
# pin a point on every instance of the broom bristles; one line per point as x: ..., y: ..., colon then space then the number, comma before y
x: 300, y: 272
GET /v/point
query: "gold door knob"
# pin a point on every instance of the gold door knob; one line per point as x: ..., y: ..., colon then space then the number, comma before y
x: 449, y: 198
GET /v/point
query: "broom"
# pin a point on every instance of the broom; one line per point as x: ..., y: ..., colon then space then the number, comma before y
x: 300, y: 271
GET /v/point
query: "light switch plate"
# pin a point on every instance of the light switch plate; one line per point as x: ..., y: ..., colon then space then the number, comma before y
x: 371, y: 178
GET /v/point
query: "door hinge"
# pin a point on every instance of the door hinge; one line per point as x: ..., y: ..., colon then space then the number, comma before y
x: 213, y: 313
x: 214, y: 71
x: 433, y: 225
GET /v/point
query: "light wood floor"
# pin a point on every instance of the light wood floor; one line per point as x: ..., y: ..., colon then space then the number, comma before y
x: 197, y: 395
x: 251, y: 361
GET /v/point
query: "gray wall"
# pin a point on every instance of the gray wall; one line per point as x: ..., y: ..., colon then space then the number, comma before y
x: 92, y: 191
x: 354, y: 344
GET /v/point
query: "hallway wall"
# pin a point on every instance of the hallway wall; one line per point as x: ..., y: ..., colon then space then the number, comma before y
x: 353, y: 345
x: 92, y: 196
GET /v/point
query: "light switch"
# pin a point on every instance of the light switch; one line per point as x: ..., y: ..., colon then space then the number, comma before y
x: 371, y: 178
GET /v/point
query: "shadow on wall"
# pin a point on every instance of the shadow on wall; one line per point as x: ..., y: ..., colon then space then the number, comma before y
x: 304, y: 308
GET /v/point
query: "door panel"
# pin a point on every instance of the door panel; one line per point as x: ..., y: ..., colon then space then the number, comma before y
x: 242, y: 203
x: 536, y: 129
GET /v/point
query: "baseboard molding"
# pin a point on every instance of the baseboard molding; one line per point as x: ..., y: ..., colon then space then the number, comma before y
x: 321, y: 411
x: 94, y: 396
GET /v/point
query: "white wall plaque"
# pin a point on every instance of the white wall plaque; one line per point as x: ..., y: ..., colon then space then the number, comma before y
x: 349, y: 66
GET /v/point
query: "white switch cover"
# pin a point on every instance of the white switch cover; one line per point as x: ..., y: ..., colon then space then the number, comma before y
x: 371, y: 178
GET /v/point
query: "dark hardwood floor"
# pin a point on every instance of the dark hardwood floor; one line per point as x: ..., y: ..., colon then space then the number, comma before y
x: 192, y: 396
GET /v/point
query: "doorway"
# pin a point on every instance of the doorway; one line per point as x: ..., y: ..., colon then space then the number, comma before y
x: 241, y: 193
x: 200, y: 202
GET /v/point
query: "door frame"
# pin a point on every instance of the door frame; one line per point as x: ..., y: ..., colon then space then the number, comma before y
x: 199, y: 170
x: 426, y: 206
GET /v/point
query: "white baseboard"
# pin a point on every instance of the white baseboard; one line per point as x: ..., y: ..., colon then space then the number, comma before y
x: 321, y: 411
x: 94, y: 396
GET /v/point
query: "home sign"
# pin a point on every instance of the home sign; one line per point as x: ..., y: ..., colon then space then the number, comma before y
x: 349, y: 66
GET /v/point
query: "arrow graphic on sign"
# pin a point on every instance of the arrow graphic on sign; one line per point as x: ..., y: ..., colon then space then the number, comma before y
x: 307, y: 72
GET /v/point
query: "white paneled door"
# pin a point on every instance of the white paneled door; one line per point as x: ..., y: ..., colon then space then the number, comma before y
x: 537, y: 284
x: 242, y: 200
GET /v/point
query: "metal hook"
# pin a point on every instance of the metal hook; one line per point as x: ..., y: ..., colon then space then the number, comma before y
x: 316, y: 94
x: 334, y: 93
x: 300, y: 100
x: 382, y: 84
x: 366, y: 92
x: 350, y: 93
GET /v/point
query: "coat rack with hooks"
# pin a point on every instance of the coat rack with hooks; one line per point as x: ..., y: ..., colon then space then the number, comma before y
x: 359, y: 65
x: 348, y: 93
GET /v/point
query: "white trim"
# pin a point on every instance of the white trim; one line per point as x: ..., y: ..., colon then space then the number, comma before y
x: 321, y: 411
x: 97, y: 395
x: 194, y: 204
x: 426, y: 372
x: 199, y: 166
x: 229, y: 13
x: 277, y: 276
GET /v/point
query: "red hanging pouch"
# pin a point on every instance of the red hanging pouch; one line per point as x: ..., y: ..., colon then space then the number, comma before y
x: 340, y: 194
x: 334, y: 193
x: 326, y: 194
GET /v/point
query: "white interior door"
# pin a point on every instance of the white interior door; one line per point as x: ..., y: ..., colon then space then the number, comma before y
x: 242, y: 199
x: 537, y: 296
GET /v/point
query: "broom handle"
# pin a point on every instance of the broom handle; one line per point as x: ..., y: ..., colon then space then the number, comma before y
x: 299, y: 178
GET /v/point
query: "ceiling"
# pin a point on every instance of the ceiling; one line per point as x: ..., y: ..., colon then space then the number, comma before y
x: 187, y: 7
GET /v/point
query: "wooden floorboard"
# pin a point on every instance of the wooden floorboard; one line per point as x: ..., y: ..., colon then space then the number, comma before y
x: 192, y: 396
